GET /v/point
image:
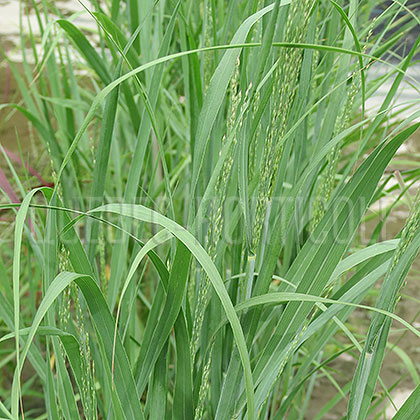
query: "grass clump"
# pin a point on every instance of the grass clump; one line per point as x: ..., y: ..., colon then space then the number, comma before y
x: 197, y: 255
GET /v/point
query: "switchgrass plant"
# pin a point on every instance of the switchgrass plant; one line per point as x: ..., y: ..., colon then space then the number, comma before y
x: 197, y: 255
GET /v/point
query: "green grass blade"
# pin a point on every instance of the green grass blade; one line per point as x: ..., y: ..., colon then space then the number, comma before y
x: 411, y: 408
x: 142, y: 213
x: 216, y: 93
x: 85, y: 48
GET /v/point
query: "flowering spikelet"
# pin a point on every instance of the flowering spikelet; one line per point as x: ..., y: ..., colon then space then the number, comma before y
x: 253, y: 146
x: 213, y: 236
x: 204, y: 387
x: 64, y: 310
x: 88, y: 384
x: 208, y: 41
x: 286, y: 358
x: 102, y: 259
x: 72, y: 293
x: 284, y: 88
x: 391, y: 285
x: 327, y: 182
x: 192, y: 282
x: 325, y: 187
x: 216, y: 207
x: 408, y: 232
x: 407, y: 237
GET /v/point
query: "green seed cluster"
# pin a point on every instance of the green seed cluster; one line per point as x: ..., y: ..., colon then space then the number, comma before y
x: 289, y: 352
x: 285, y: 82
x: 253, y: 145
x: 407, y: 235
x: 214, y: 232
x: 208, y: 40
x: 64, y: 265
x: 88, y: 368
x: 216, y: 209
x: 71, y: 293
x: 408, y: 232
x: 204, y: 386
x: 102, y: 259
x: 326, y: 184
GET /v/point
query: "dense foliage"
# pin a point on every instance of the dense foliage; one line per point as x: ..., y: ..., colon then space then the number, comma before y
x: 197, y: 253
